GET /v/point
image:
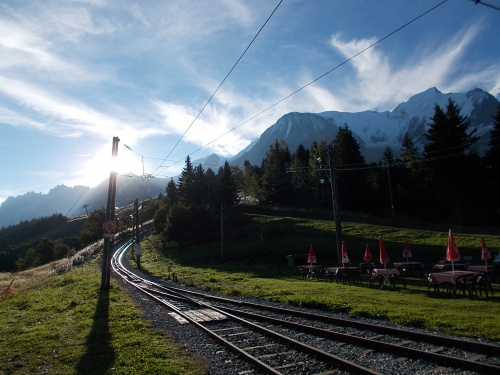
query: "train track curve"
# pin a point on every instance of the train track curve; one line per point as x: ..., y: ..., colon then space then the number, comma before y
x: 280, y: 340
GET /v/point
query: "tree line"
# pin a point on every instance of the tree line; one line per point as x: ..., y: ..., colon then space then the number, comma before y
x: 193, y: 209
x: 448, y: 181
x: 38, y: 241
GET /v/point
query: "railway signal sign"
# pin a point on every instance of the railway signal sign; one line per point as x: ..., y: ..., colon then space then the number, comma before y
x: 109, y: 226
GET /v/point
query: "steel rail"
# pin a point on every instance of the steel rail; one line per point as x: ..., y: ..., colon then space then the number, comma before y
x: 133, y: 279
x: 484, y: 348
x: 399, y: 349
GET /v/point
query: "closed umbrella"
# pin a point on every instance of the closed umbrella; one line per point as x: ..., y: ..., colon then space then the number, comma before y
x: 452, y: 253
x: 407, y: 251
x: 311, y: 258
x: 485, y: 253
x: 368, y: 254
x: 345, y: 255
x: 384, y: 258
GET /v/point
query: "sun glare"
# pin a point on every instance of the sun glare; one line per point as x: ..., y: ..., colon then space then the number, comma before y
x: 99, y: 167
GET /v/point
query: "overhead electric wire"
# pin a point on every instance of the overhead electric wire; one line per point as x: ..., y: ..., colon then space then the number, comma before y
x: 316, y: 79
x: 227, y: 75
x: 80, y: 197
x: 481, y: 2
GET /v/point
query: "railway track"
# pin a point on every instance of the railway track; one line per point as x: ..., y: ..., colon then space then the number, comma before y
x: 277, y: 340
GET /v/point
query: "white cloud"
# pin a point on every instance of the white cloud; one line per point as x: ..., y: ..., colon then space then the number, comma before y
x: 380, y: 83
x: 66, y: 117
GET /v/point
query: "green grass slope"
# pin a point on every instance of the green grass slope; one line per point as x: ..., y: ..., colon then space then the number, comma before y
x: 255, y: 266
x: 66, y: 325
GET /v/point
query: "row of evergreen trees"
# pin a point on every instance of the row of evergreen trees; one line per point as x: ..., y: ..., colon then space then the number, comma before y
x: 448, y: 181
x: 191, y: 211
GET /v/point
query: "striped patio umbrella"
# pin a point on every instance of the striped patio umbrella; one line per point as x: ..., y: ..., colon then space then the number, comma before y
x: 345, y: 255
x: 485, y: 253
x: 407, y: 251
x: 368, y: 254
x: 452, y: 253
x: 384, y: 258
x: 311, y: 258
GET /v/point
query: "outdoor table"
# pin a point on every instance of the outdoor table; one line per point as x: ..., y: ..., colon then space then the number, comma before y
x: 311, y: 270
x: 344, y: 274
x: 386, y: 276
x: 461, y: 266
x: 491, y: 271
x: 406, y: 268
x: 366, y: 268
x: 450, y: 277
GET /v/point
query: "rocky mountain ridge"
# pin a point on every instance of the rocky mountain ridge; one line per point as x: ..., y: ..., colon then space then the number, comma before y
x: 374, y: 131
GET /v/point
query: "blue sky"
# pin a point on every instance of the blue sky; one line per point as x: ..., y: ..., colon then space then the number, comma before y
x: 74, y: 74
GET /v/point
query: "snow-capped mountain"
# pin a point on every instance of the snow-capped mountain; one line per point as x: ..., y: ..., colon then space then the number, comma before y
x: 295, y: 128
x: 376, y: 130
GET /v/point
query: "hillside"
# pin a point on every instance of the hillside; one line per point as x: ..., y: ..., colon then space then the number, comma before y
x: 53, y: 228
x: 78, y: 200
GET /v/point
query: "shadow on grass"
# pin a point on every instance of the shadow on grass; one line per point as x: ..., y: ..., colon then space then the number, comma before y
x: 99, y: 355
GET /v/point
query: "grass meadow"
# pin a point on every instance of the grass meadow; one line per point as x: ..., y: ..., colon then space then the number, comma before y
x: 64, y: 323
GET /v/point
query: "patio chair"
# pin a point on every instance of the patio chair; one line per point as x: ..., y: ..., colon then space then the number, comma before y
x: 304, y: 272
x: 439, y: 288
x: 467, y: 284
x: 483, y: 282
x: 318, y: 273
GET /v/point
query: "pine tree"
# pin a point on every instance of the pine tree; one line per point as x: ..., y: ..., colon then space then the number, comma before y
x: 493, y: 152
x: 410, y: 155
x: 172, y: 193
x: 410, y: 190
x: 228, y: 192
x: 318, y: 163
x: 453, y: 167
x: 275, y: 179
x: 299, y: 168
x: 449, y: 138
x: 185, y: 178
x: 351, y: 170
x: 492, y: 159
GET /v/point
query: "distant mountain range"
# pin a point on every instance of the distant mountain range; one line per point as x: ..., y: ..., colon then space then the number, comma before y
x: 374, y: 131
x: 78, y: 200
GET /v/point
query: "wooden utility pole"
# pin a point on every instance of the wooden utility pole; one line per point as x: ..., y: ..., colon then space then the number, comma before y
x: 335, y: 201
x: 221, y: 233
x: 390, y: 190
x: 138, y: 247
x: 110, y: 224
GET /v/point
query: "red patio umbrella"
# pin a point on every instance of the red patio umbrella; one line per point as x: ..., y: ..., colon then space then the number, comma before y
x: 311, y: 258
x: 368, y: 254
x: 384, y: 258
x: 485, y: 253
x: 407, y: 251
x: 345, y: 255
x: 452, y: 253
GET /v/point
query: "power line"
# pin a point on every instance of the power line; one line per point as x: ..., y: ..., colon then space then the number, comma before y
x: 227, y: 75
x: 481, y: 2
x: 77, y: 201
x: 315, y: 80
